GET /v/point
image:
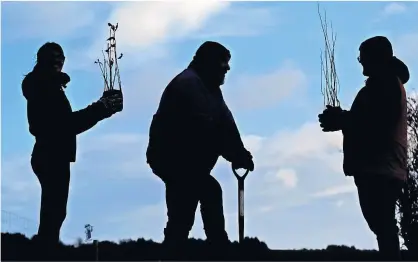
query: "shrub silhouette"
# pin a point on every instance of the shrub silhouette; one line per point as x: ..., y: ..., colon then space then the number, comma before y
x: 17, y: 247
x: 408, y: 202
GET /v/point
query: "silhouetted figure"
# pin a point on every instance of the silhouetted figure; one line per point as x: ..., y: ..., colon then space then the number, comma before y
x: 375, y: 139
x: 190, y: 130
x: 55, y: 127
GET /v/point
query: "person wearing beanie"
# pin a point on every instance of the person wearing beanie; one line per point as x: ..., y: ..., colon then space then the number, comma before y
x: 375, y: 140
x: 55, y: 127
x: 190, y: 130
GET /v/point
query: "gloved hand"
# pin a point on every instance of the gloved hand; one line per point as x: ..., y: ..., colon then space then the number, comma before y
x: 331, y: 119
x: 60, y: 78
x: 245, y: 161
x: 111, y: 104
x: 64, y: 79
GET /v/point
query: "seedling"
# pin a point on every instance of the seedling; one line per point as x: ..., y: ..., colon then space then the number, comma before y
x: 109, y: 66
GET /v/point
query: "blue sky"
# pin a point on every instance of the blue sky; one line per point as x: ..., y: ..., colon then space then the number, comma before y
x: 297, y: 197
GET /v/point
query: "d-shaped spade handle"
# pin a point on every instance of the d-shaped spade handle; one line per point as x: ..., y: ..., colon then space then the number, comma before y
x: 240, y: 177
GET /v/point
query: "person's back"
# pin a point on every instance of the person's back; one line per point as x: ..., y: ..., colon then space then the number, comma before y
x: 174, y: 139
x: 369, y: 146
x: 54, y: 138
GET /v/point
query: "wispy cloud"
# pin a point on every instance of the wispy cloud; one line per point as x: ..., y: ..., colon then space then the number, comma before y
x: 52, y: 21
x: 336, y: 190
x: 268, y: 89
x: 394, y: 8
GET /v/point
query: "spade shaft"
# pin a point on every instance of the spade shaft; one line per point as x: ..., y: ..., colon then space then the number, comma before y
x: 241, y: 180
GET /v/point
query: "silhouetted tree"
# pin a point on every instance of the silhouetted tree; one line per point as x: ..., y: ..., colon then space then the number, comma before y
x: 408, y: 202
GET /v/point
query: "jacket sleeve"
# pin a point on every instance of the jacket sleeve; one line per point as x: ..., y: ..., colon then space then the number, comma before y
x: 86, y: 118
x: 49, y: 117
x: 232, y: 145
x: 381, y: 110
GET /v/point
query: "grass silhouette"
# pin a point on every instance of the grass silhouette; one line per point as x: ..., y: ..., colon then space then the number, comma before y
x: 17, y: 247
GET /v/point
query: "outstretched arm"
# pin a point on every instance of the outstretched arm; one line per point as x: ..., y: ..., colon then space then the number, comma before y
x: 46, y: 117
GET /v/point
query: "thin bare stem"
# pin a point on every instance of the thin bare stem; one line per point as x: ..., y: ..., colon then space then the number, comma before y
x: 329, y: 77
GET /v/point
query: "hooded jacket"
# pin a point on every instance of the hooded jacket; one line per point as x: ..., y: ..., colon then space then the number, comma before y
x: 375, y: 133
x: 192, y: 127
x: 51, y: 119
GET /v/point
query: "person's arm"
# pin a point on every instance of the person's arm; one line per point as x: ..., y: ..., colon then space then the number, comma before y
x: 48, y: 116
x: 381, y: 111
x: 86, y: 118
x: 232, y: 146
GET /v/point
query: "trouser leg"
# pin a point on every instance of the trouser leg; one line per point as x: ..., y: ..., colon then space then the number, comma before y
x: 211, y: 205
x: 54, y: 178
x: 377, y: 197
x: 181, y: 201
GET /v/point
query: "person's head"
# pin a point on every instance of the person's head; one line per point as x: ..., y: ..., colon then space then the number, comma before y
x: 212, y: 60
x: 51, y: 57
x: 376, y: 57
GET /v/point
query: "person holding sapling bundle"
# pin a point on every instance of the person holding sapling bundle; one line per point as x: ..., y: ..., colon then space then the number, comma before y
x: 375, y: 139
x: 55, y: 127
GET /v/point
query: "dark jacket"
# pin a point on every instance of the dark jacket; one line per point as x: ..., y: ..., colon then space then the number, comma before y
x: 192, y: 127
x: 51, y: 119
x: 375, y: 132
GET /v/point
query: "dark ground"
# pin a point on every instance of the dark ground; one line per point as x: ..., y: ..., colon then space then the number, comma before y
x: 17, y: 247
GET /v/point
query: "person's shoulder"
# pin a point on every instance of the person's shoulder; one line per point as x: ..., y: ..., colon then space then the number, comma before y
x: 385, y: 84
x: 387, y: 80
x: 187, y: 80
x: 187, y: 76
x: 28, y: 79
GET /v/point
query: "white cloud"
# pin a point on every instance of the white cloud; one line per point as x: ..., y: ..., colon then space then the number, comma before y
x: 339, y: 203
x: 52, y: 21
x: 268, y: 89
x: 145, y: 27
x: 144, y: 88
x: 18, y: 183
x: 143, y: 24
x: 308, y: 141
x: 336, y: 190
x: 405, y: 48
x: 239, y: 22
x: 288, y: 177
x: 394, y: 8
x: 122, y: 155
x: 146, y: 31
